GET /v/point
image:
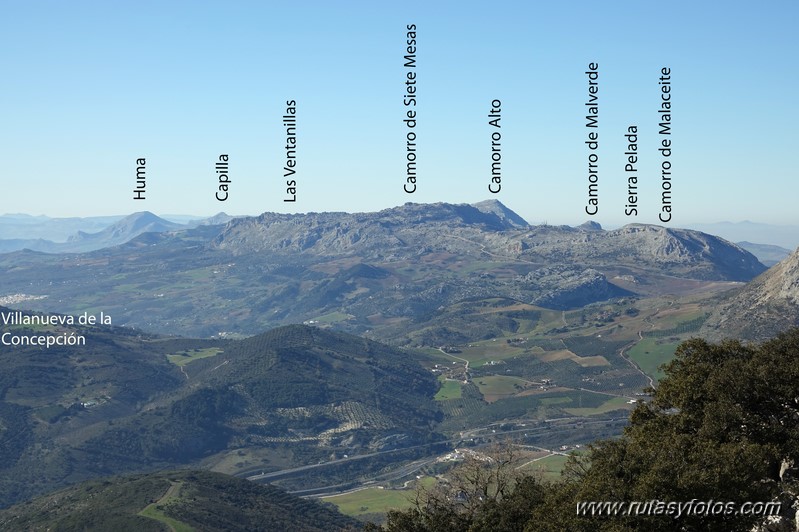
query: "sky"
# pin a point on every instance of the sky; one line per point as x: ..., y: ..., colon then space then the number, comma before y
x: 90, y: 87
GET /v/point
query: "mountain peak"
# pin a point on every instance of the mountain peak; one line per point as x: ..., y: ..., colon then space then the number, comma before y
x: 123, y: 231
x: 217, y: 219
x: 590, y: 226
x: 504, y: 213
x: 143, y: 218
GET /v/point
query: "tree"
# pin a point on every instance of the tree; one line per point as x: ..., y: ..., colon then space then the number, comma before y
x: 720, y: 427
x: 484, y: 493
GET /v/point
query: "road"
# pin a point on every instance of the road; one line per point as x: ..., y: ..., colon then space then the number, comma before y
x: 552, y: 426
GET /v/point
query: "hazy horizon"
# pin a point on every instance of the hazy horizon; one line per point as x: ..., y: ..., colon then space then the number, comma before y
x: 783, y: 235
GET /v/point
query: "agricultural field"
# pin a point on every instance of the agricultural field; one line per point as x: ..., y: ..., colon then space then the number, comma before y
x: 479, y: 354
x: 377, y: 499
x: 584, y: 361
x: 330, y: 318
x: 651, y: 353
x: 679, y: 318
x: 496, y: 387
x: 458, y: 411
x: 182, y: 358
x: 612, y: 403
x: 450, y: 389
x: 548, y: 468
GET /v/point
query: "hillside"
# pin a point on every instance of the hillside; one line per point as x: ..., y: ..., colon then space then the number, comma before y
x: 190, y: 500
x: 761, y: 309
x: 294, y: 386
x: 131, y: 402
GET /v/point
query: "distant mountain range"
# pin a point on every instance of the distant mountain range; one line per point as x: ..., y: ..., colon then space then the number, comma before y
x: 785, y: 236
x: 767, y: 254
x: 111, y: 231
x: 411, y: 230
x: 33, y: 229
x: 27, y: 227
x: 78, y: 235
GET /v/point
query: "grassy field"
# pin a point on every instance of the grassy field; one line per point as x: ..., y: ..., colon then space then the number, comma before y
x: 613, y: 403
x: 449, y: 390
x: 549, y: 319
x: 50, y: 413
x: 584, y: 361
x: 495, y: 387
x: 671, y: 317
x: 332, y: 317
x: 548, y: 468
x: 186, y: 357
x: 649, y: 355
x: 376, y: 500
x: 485, y: 352
x: 556, y: 400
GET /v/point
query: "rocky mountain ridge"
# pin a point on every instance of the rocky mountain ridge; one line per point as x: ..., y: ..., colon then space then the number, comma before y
x: 414, y: 229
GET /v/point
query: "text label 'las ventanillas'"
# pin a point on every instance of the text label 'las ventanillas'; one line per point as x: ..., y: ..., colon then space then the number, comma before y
x: 289, y: 170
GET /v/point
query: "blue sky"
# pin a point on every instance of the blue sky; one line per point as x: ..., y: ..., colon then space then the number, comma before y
x: 88, y: 87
